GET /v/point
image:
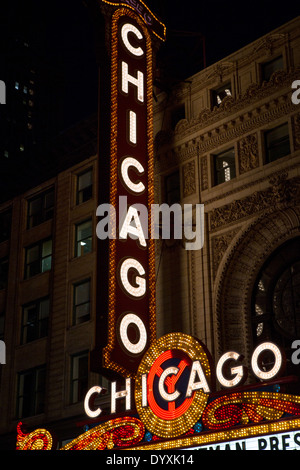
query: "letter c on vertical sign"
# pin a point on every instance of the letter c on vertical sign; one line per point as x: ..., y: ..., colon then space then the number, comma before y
x: 129, y: 28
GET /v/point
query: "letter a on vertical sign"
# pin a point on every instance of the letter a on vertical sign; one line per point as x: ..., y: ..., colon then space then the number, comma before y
x: 131, y: 304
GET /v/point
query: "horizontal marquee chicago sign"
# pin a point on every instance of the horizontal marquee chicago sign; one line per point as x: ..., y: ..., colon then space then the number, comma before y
x: 173, y: 402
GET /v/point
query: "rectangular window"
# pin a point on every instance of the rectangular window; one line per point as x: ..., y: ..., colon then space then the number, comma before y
x: 84, y: 186
x: 35, y: 320
x: 220, y: 93
x: 268, y: 68
x: 224, y: 166
x: 81, y: 302
x: 38, y: 258
x: 79, y: 376
x: 31, y: 392
x: 172, y: 188
x: 5, y: 225
x: 3, y: 273
x: 40, y: 208
x: 277, y: 143
x: 83, y: 242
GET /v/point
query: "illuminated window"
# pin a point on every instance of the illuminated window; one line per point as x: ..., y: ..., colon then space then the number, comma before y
x: 31, y: 392
x: 38, y: 258
x: 224, y: 164
x: 268, y: 68
x: 172, y: 188
x: 81, y: 302
x: 83, y: 244
x: 40, y: 208
x: 3, y: 273
x: 79, y: 376
x: 276, y: 298
x: 84, y: 186
x: 220, y: 93
x: 35, y: 320
x: 277, y: 143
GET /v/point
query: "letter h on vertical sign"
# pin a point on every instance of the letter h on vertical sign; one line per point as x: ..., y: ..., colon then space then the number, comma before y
x: 131, y: 303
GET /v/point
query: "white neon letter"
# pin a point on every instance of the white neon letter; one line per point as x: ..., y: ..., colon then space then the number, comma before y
x: 122, y: 394
x: 131, y: 263
x: 192, y: 385
x: 237, y: 371
x: 129, y: 28
x: 89, y: 412
x: 138, y: 82
x: 135, y: 230
x: 133, y: 348
x: 132, y: 127
x: 167, y: 396
x: 277, y: 364
x: 126, y: 164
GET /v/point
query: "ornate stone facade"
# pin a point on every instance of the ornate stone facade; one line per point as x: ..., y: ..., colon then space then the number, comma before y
x: 250, y: 214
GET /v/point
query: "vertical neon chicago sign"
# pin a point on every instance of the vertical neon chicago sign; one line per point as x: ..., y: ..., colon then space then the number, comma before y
x: 132, y: 318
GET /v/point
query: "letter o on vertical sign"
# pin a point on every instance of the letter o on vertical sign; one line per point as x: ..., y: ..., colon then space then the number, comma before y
x: 140, y: 345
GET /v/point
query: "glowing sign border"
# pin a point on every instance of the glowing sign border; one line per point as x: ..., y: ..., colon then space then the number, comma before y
x: 112, y: 320
x: 182, y: 423
x: 122, y: 3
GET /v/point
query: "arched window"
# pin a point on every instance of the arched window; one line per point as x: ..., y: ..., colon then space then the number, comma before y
x: 276, y: 298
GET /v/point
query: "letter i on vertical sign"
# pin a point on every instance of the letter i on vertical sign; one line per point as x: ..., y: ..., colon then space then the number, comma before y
x: 131, y: 304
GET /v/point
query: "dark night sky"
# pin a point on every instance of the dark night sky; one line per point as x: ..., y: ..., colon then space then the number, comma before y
x: 227, y: 26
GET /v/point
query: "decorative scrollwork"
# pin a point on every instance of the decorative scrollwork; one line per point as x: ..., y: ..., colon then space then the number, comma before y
x: 40, y: 439
x: 241, y: 408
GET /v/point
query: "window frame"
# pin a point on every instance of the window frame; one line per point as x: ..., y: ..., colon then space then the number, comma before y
x: 43, y: 215
x: 76, y: 396
x: 267, y: 149
x: 77, y: 252
x: 38, y: 330
x: 214, y: 92
x: 39, y: 260
x: 75, y: 316
x: 90, y: 187
x: 38, y: 387
x: 266, y: 77
x: 216, y: 171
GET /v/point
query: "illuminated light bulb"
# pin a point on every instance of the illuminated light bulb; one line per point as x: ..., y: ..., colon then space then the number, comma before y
x: 133, y: 348
x: 129, y: 28
x: 131, y: 263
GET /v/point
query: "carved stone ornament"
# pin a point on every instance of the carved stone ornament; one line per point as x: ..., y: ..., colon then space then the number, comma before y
x: 296, y: 133
x: 189, y: 179
x: 219, y: 247
x: 248, y: 153
x: 204, y: 173
x: 282, y: 192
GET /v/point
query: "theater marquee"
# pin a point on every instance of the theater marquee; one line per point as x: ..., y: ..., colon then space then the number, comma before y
x: 166, y: 396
